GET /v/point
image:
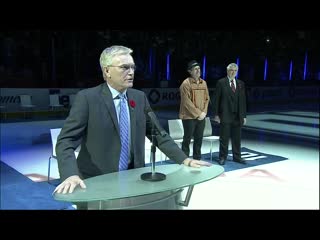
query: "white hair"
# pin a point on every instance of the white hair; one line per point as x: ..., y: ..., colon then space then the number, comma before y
x: 232, y: 66
x: 107, y: 55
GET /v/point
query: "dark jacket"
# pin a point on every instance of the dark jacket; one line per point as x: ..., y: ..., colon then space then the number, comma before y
x: 92, y: 122
x: 224, y: 100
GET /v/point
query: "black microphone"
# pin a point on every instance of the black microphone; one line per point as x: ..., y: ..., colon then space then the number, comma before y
x: 155, y: 122
x: 153, y: 175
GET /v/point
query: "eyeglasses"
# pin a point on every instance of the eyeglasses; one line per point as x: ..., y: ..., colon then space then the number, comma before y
x: 125, y: 67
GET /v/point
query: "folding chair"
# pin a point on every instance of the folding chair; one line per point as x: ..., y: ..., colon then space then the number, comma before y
x: 207, y: 135
x: 54, y: 101
x: 148, y: 144
x: 176, y: 131
x: 71, y: 99
x: 26, y: 103
x: 54, y: 136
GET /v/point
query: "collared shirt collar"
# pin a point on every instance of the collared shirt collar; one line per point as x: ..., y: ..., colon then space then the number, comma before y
x: 115, y: 92
x: 231, y: 79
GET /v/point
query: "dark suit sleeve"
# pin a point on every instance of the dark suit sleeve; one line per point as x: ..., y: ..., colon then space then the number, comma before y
x: 244, y: 100
x: 70, y: 137
x: 171, y: 149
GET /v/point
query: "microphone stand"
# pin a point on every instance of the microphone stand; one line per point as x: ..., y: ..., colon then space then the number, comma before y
x: 153, y: 176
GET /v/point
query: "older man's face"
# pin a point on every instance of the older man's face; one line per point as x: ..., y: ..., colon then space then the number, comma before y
x: 121, y: 72
x: 232, y: 72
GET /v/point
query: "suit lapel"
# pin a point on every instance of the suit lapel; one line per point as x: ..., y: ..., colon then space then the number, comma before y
x: 107, y: 98
x: 228, y: 87
x: 229, y: 90
x: 132, y: 114
x: 238, y: 86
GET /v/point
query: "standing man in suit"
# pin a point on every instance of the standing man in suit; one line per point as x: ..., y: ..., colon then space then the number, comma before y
x: 94, y: 123
x: 230, y: 111
x: 193, y: 108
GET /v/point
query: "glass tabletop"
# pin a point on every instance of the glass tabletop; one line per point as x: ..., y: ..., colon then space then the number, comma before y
x: 126, y: 184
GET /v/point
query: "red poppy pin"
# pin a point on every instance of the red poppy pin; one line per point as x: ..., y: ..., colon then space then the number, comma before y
x: 132, y: 103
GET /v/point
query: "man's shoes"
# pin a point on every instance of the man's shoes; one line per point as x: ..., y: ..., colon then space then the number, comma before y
x: 240, y: 161
x: 221, y: 161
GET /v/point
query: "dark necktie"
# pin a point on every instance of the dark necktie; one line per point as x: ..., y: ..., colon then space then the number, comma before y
x: 124, y: 133
x: 232, y: 86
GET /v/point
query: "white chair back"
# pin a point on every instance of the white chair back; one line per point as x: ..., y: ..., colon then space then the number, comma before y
x: 175, y: 129
x: 71, y: 99
x: 54, y: 136
x: 159, y: 154
x: 207, y: 135
x: 26, y: 101
x: 207, y: 128
x: 54, y: 100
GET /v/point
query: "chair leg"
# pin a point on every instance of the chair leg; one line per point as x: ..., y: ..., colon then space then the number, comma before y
x: 161, y: 160
x: 49, y: 165
x: 211, y: 151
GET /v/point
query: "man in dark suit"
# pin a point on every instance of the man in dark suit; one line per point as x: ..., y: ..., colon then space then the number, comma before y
x: 230, y: 111
x: 94, y: 123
